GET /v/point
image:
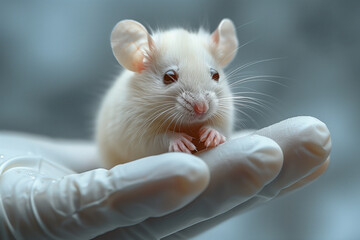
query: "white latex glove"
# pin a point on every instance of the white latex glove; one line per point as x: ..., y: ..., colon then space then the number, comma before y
x: 171, y: 195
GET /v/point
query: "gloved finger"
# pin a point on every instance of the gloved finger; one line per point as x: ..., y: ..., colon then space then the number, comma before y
x: 242, y: 133
x: 206, y: 225
x: 82, y: 206
x: 77, y: 155
x: 239, y: 168
x: 306, y: 144
x: 308, y: 179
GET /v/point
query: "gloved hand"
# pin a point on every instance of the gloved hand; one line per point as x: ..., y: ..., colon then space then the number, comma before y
x: 173, y: 195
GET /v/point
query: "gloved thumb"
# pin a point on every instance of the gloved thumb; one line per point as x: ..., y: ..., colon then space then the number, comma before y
x: 83, y: 206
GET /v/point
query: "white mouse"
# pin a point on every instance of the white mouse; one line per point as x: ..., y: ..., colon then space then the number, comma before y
x: 172, y: 96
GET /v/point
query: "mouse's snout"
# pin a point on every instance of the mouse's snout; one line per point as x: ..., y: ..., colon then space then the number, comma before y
x: 201, y: 107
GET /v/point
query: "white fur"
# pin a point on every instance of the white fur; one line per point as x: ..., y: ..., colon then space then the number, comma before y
x: 129, y: 125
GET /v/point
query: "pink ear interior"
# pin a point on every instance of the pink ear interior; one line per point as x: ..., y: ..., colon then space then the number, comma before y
x: 224, y: 42
x: 215, y: 36
x: 139, y: 63
x: 139, y: 60
x: 131, y: 42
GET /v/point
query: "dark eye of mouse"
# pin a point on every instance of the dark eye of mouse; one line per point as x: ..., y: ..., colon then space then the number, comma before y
x: 170, y: 77
x: 214, y: 74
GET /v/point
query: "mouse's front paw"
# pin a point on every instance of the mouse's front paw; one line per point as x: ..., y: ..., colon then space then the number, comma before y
x: 181, y: 142
x: 211, y: 137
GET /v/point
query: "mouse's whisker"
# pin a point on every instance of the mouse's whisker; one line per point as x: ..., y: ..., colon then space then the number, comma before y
x: 248, y: 95
x: 250, y: 92
x: 249, y: 106
x: 155, y: 114
x: 259, y: 106
x: 252, y: 100
x: 176, y: 122
x: 165, y: 114
x: 254, y: 105
x: 158, y: 116
x: 247, y: 103
x: 172, y: 117
x: 241, y: 112
x: 238, y: 48
x: 169, y: 115
x: 260, y: 78
x: 219, y: 116
x: 149, y: 120
x: 246, y: 65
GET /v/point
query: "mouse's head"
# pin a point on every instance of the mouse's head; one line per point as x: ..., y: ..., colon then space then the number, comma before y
x: 178, y: 74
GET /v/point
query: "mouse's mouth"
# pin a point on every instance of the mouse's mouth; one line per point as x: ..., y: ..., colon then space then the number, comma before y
x: 195, y: 108
x: 197, y: 112
x: 195, y: 118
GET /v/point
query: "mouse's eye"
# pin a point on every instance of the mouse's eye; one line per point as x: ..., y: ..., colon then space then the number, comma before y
x: 214, y: 74
x: 170, y: 77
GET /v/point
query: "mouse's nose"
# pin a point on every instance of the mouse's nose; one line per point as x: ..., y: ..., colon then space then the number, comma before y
x: 201, y: 107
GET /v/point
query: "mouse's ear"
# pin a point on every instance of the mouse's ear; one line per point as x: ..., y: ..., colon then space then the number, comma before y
x: 130, y: 42
x: 224, y: 42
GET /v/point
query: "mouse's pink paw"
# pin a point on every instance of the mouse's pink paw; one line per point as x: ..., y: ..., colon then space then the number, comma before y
x: 211, y: 137
x: 181, y: 142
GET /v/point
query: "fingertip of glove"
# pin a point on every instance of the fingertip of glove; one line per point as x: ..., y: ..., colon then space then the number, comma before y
x: 267, y: 156
x: 269, y: 152
x: 249, y: 163
x: 306, y: 137
x: 323, y: 144
x: 315, y: 137
x: 160, y: 184
x: 190, y: 175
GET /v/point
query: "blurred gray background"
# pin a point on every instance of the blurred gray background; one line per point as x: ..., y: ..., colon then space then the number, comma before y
x: 56, y: 62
